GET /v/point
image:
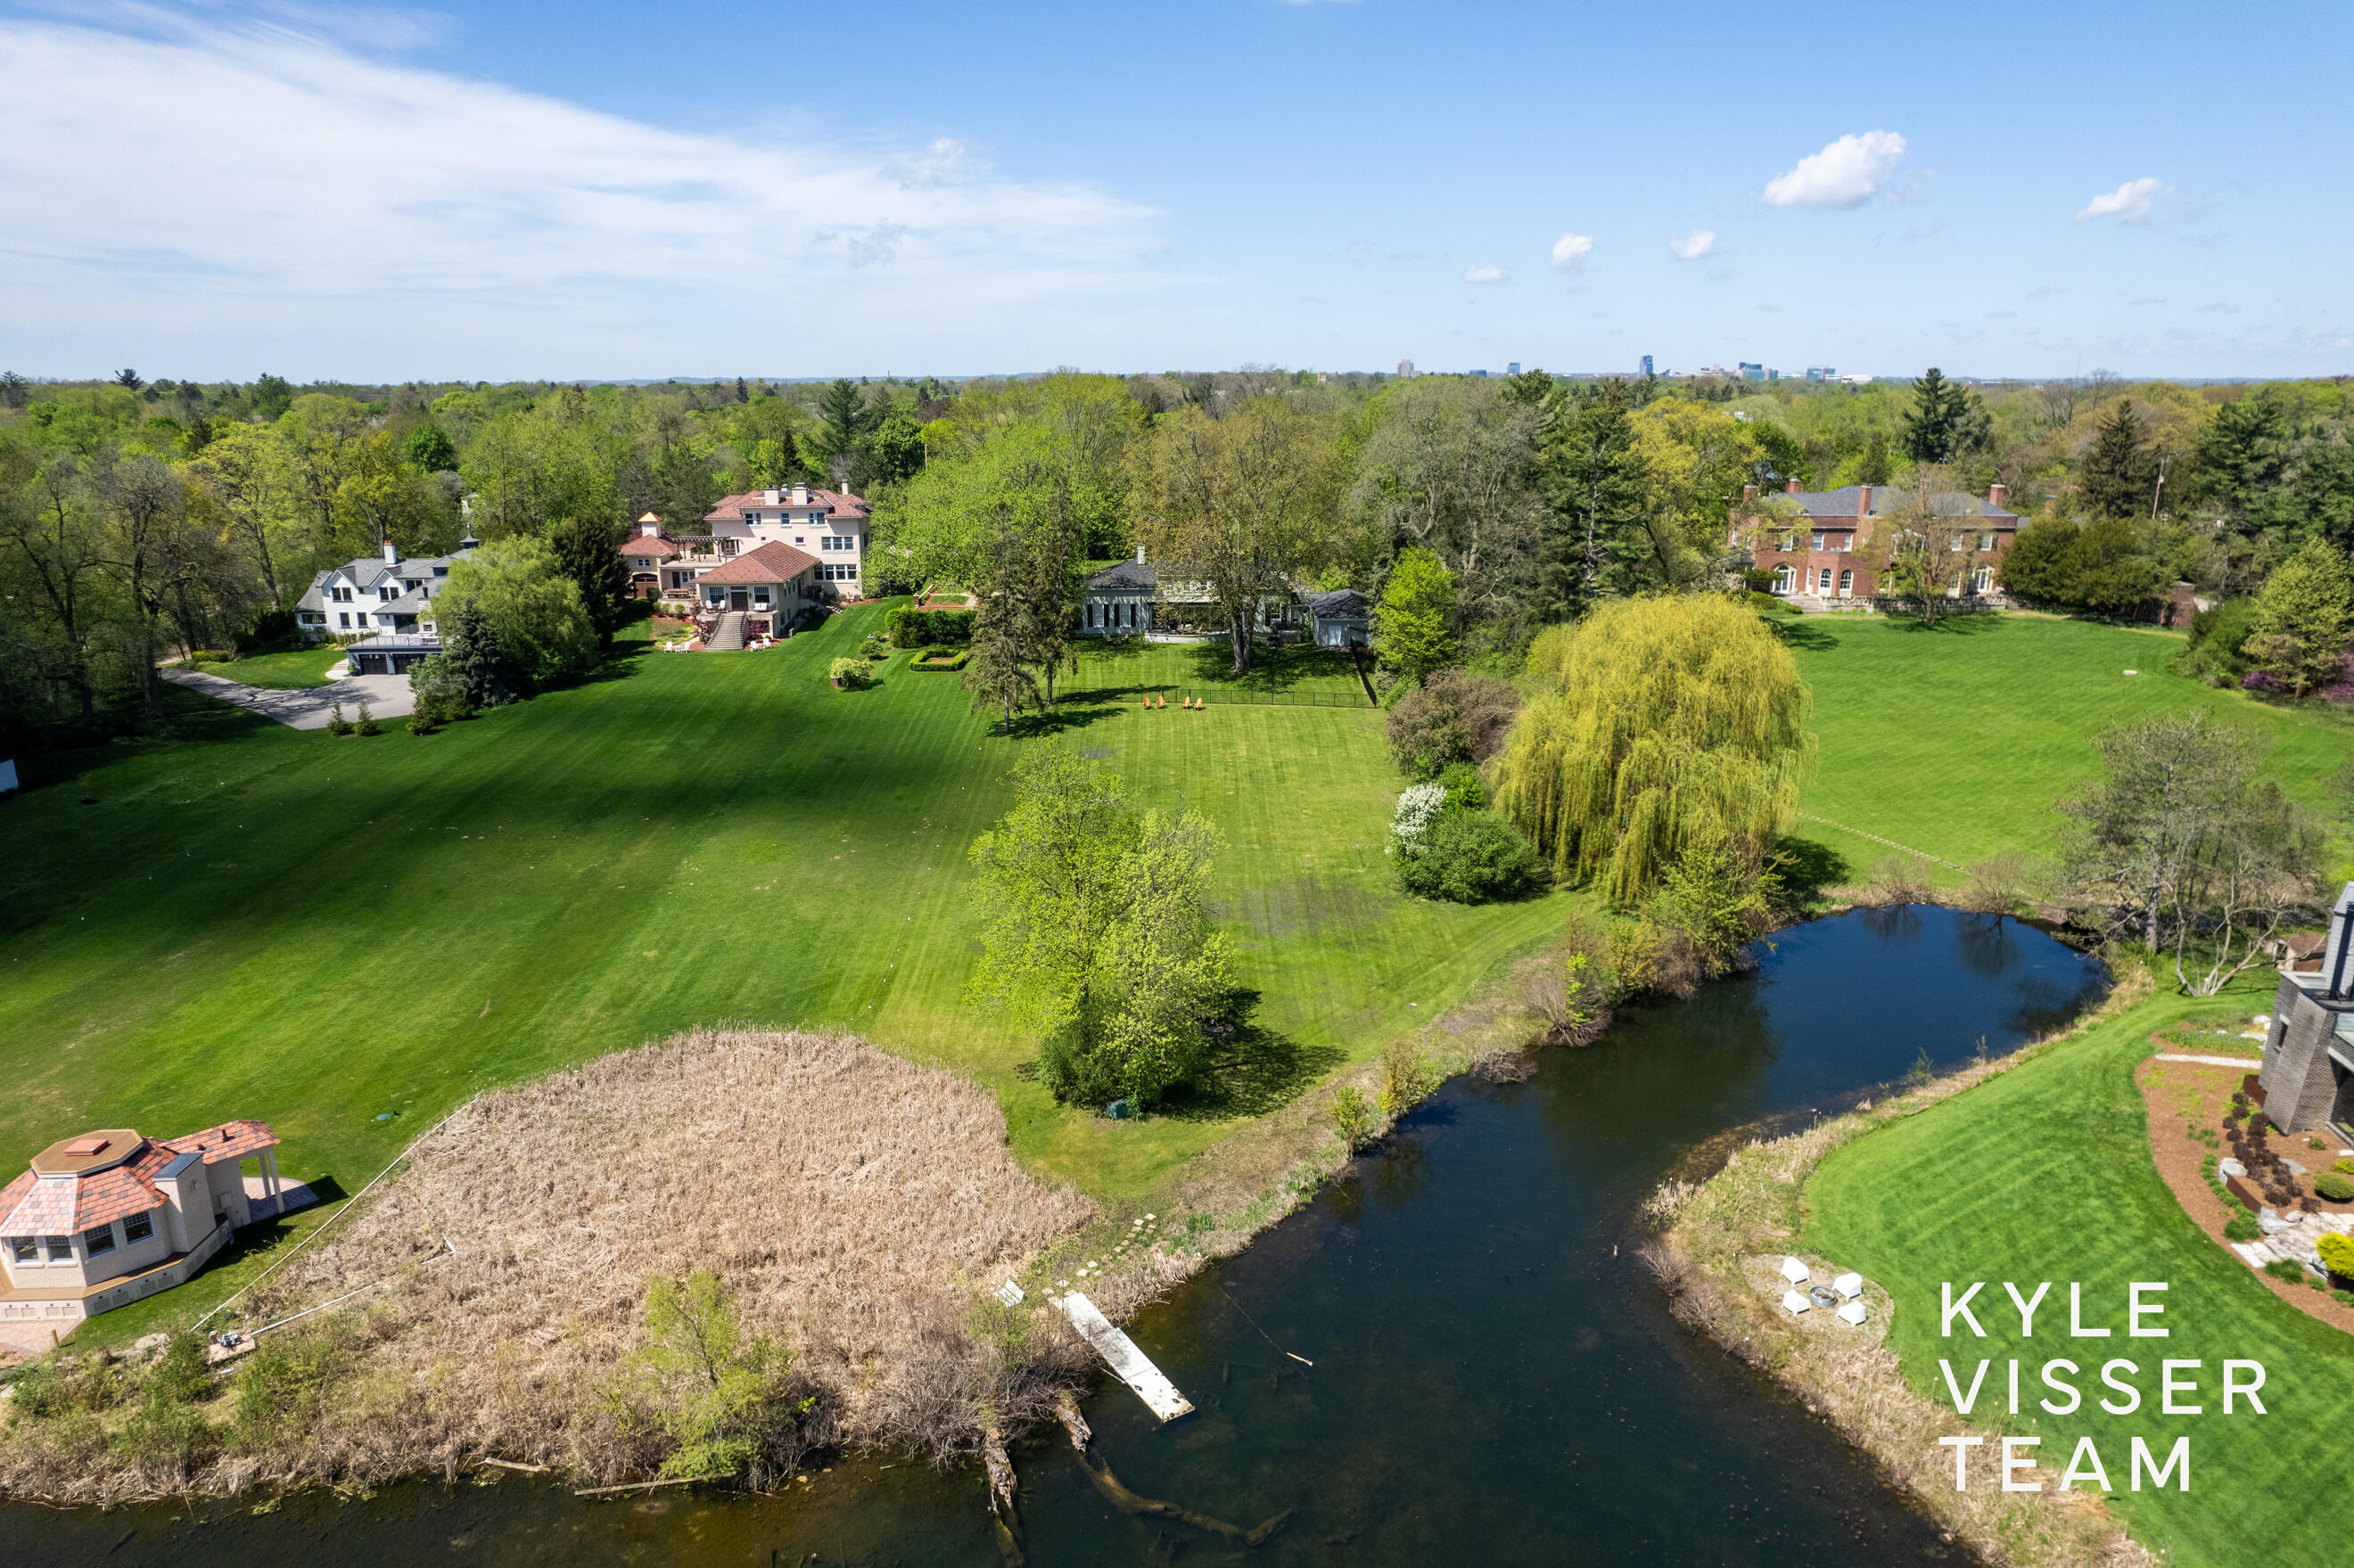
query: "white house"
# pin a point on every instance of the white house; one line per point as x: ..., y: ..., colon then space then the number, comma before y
x: 376, y: 593
x: 110, y: 1217
x: 830, y: 525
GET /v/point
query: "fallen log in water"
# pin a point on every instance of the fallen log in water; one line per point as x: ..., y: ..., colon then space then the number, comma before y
x: 1129, y: 1503
x: 1066, y: 1411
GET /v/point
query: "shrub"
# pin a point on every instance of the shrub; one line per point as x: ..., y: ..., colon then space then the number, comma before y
x: 421, y: 723
x: 2335, y: 1187
x: 271, y: 626
x: 439, y: 689
x: 1470, y: 857
x: 1717, y: 899
x: 336, y: 723
x: 851, y: 674
x: 2338, y: 1255
x: 2283, y: 1269
x: 912, y: 628
x: 1453, y: 716
x: 366, y: 725
x: 287, y: 1383
x: 1465, y: 791
x: 2242, y: 1227
x: 1407, y: 1079
x: 1353, y: 1117
x: 165, y: 1438
x: 2344, y: 1167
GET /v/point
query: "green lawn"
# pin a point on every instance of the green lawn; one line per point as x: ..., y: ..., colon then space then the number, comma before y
x: 315, y: 930
x: 2044, y: 1173
x: 1957, y: 740
x: 283, y: 671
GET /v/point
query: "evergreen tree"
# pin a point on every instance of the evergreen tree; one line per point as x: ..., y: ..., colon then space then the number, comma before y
x: 743, y: 393
x: 589, y: 553
x: 1878, y: 462
x: 2118, y: 472
x: 1594, y: 478
x: 844, y: 417
x: 484, y: 673
x: 1944, y: 420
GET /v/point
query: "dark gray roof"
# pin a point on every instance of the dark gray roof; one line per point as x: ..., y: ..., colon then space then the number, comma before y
x: 1340, y: 604
x: 1887, y: 498
x: 1133, y: 575
x: 394, y: 643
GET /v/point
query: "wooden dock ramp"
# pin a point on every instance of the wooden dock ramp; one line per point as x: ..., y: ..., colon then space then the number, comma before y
x: 1120, y: 1354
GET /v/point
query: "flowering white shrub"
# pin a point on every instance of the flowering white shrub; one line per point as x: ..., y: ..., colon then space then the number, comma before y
x: 1419, y: 806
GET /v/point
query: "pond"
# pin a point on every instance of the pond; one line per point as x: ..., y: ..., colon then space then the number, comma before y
x: 1493, y: 1376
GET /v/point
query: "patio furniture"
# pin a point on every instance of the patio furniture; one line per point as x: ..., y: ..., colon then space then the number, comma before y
x: 1794, y: 1272
x: 1794, y: 1303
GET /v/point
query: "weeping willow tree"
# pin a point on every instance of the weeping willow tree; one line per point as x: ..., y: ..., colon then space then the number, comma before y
x: 1661, y: 727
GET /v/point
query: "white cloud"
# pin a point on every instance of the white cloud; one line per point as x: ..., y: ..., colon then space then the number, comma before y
x: 311, y: 197
x: 1483, y: 275
x: 2130, y: 203
x: 1693, y: 247
x: 1844, y: 174
x: 1570, y: 251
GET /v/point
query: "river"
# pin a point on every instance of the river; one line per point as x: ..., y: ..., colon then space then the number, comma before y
x: 1494, y: 1378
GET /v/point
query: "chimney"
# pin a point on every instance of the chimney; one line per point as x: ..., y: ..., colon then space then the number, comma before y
x: 391, y: 553
x: 1140, y: 555
x: 1863, y: 501
x: 800, y: 495
x: 1997, y: 494
x: 1748, y: 495
x: 1790, y: 487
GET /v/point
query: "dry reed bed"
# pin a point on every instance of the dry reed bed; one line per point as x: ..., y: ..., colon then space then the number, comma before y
x: 1755, y: 1205
x: 858, y: 1207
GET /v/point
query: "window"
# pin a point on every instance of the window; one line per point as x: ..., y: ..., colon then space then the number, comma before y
x: 1823, y: 580
x: 60, y: 1249
x: 1782, y: 577
x: 23, y: 1249
x: 838, y: 572
x: 1818, y: 540
x: 1091, y: 615
x: 344, y: 620
x: 1847, y: 583
x: 751, y: 517
x: 800, y: 539
x: 1986, y: 541
x: 1982, y: 580
x: 1960, y: 542
x: 728, y: 545
x: 138, y: 1228
x: 99, y: 1239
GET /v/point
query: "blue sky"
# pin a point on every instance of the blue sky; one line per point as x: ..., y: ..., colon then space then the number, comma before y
x: 608, y: 190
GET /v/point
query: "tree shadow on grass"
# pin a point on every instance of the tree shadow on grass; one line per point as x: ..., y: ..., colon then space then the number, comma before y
x: 1807, y: 868
x: 1976, y: 624
x: 1073, y: 712
x: 1274, y: 667
x: 1797, y: 632
x: 1252, y: 1070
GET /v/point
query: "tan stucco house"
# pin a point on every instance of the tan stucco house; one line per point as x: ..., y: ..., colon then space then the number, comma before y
x: 110, y: 1217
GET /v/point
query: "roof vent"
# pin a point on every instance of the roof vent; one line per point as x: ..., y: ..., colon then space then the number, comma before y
x: 85, y: 1146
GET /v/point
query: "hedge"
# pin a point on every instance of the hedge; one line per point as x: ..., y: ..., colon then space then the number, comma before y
x: 913, y: 628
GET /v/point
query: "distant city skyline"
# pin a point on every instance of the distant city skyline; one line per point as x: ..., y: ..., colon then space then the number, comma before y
x: 214, y: 190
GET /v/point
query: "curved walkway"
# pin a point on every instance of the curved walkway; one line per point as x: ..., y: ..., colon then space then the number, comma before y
x: 308, y: 707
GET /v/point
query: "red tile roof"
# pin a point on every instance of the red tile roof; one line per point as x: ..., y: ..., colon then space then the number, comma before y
x: 771, y: 563
x: 651, y: 546
x: 61, y: 1206
x: 841, y: 503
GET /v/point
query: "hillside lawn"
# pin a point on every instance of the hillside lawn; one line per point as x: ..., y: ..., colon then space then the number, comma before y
x: 1955, y: 740
x: 319, y: 930
x: 291, y: 671
x: 2044, y: 1173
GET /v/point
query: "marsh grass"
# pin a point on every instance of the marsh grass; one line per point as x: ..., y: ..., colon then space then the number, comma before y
x: 855, y: 1206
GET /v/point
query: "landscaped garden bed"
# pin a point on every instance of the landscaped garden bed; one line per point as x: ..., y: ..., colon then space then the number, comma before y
x: 941, y: 658
x: 2193, y: 1130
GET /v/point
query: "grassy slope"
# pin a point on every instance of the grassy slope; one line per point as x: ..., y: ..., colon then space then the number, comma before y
x: 281, y: 671
x: 2045, y: 1173
x: 1956, y: 741
x: 258, y: 922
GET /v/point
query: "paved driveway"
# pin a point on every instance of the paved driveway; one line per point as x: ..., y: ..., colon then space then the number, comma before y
x: 388, y: 697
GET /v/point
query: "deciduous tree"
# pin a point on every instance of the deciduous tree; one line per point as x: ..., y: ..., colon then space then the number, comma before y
x: 1417, y: 624
x: 1246, y: 501
x: 2305, y: 620
x: 1660, y: 725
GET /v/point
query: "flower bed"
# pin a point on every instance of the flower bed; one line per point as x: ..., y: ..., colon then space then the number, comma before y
x: 940, y: 659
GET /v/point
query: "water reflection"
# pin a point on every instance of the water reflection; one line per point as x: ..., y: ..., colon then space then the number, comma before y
x: 1493, y: 1379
